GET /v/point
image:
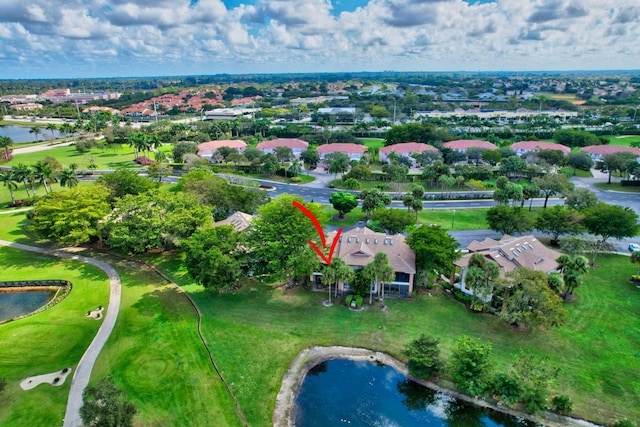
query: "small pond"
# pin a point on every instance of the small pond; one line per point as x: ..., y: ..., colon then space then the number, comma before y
x: 19, y: 134
x: 359, y: 394
x: 14, y: 304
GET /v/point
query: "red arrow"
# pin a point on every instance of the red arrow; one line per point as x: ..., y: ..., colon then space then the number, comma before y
x: 316, y: 223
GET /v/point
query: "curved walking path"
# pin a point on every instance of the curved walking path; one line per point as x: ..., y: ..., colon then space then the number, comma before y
x: 85, y: 365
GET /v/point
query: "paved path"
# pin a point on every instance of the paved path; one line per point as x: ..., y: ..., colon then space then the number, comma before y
x: 41, y: 147
x: 85, y: 365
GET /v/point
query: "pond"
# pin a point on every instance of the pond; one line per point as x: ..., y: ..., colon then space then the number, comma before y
x: 20, y: 134
x: 14, y: 304
x: 364, y: 394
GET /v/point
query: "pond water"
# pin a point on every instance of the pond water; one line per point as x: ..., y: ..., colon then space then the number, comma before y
x: 14, y: 304
x: 365, y: 394
x: 19, y: 134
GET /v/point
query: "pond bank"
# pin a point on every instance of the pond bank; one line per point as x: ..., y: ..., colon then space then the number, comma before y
x: 308, y: 358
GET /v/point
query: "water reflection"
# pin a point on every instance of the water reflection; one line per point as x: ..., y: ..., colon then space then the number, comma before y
x: 14, y: 304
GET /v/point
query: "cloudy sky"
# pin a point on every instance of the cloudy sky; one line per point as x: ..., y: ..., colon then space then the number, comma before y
x: 108, y: 38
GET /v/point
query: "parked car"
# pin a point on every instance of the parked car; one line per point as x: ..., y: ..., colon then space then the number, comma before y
x: 634, y: 247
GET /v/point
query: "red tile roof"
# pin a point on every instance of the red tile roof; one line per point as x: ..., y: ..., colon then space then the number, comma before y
x: 214, y: 145
x: 609, y: 149
x: 283, y: 142
x: 465, y: 144
x: 408, y: 148
x: 343, y: 147
x: 539, y: 145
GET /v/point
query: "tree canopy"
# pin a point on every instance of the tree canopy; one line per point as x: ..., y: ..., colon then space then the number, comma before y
x: 105, y: 405
x: 509, y: 220
x: 435, y: 249
x: 125, y: 181
x: 393, y: 221
x: 343, y: 202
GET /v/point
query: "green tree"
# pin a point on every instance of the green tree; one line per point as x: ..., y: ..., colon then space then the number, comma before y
x: 337, y: 271
x: 509, y: 220
x: 36, y: 130
x: 44, y: 173
x: 159, y: 170
x: 105, y: 405
x: 9, y: 180
x: 573, y: 268
x: 68, y: 178
x: 552, y: 184
x: 635, y: 259
x: 278, y: 242
x: 343, y: 202
x: 480, y: 277
x: 470, y: 364
x: 24, y: 173
x: 378, y: 272
x: 580, y: 199
x: 580, y: 160
x: 606, y: 221
x: 125, y: 181
x: 394, y: 221
x: 295, y: 167
x: 283, y: 154
x: 182, y: 148
x: 70, y: 217
x: 310, y: 157
x: 492, y: 157
x: 558, y: 220
x: 535, y: 375
x: 338, y: 162
x: 435, y: 249
x: 374, y: 199
x: 423, y: 357
x: 617, y: 162
x: 147, y: 221
x: 5, y: 145
x: 214, y: 257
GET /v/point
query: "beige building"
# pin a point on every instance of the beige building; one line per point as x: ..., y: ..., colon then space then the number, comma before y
x: 240, y: 221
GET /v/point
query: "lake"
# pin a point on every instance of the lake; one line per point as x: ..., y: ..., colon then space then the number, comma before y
x: 19, y: 134
x: 14, y: 304
x: 366, y: 394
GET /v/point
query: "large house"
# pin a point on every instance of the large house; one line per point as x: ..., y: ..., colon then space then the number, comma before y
x: 597, y: 152
x: 358, y: 247
x: 354, y: 151
x: 463, y: 145
x: 509, y: 253
x: 406, y: 149
x: 297, y: 145
x: 207, y: 150
x: 523, y: 147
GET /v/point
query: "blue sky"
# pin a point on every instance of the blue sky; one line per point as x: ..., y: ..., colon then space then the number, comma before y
x: 110, y: 38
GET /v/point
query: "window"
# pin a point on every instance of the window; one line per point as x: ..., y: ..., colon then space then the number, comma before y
x: 402, y: 277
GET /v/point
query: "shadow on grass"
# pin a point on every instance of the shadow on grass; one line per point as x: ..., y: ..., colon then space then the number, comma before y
x: 168, y: 303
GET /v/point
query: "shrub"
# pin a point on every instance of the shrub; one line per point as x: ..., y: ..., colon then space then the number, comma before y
x: 562, y: 404
x: 424, y: 357
x: 352, y: 184
x: 624, y: 423
x: 505, y: 388
x: 295, y: 179
x: 470, y: 364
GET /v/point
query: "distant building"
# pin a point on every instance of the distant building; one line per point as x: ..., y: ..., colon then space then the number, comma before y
x: 207, y: 150
x: 338, y: 114
x: 297, y: 145
x: 27, y: 106
x: 463, y: 145
x: 406, y: 149
x: 523, y: 147
x: 228, y: 113
x: 354, y: 151
x: 599, y: 151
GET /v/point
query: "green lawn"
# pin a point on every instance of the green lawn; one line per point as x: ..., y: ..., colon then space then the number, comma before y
x: 372, y: 142
x: 49, y: 341
x: 616, y: 186
x: 256, y: 331
x: 625, y: 140
x: 111, y: 157
x: 579, y: 173
x: 305, y: 178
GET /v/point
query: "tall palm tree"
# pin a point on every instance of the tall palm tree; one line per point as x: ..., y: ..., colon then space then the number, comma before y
x: 572, y: 267
x: 52, y: 128
x: 36, y: 131
x: 68, y: 177
x: 5, y: 145
x: 66, y: 129
x: 22, y: 173
x: 295, y: 168
x: 8, y: 179
x: 337, y: 271
x: 379, y: 271
x: 635, y: 259
x: 44, y: 173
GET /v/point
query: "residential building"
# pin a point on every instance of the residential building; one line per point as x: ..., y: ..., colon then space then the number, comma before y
x: 406, y: 149
x: 509, y: 253
x: 354, y: 151
x: 599, y: 151
x: 339, y: 114
x: 297, y: 145
x: 357, y: 248
x: 28, y: 106
x: 523, y: 147
x: 240, y: 221
x: 463, y: 145
x: 207, y: 150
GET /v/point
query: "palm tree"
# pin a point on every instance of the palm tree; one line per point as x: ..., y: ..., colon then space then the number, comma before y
x: 66, y: 129
x: 68, y: 177
x: 380, y: 272
x: 36, y: 131
x: 635, y: 259
x: 22, y: 173
x: 296, y: 167
x: 572, y: 267
x: 44, y: 173
x: 52, y: 128
x: 5, y: 145
x: 8, y: 179
x: 337, y: 271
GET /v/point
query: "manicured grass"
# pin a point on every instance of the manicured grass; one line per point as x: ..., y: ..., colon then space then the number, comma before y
x: 349, y: 219
x: 463, y: 219
x: 372, y: 142
x: 305, y: 178
x: 111, y: 157
x: 21, y: 194
x: 256, y: 331
x: 625, y: 140
x: 616, y: 186
x: 579, y: 173
x: 49, y: 341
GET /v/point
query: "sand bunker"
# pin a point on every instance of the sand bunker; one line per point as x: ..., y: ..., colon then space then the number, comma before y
x: 96, y: 314
x: 55, y: 379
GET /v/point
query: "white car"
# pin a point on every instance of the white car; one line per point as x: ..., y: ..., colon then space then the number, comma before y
x: 634, y: 247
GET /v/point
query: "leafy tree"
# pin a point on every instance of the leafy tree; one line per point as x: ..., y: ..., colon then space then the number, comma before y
x: 374, y: 199
x: 617, y: 162
x: 480, y: 277
x: 337, y: 271
x: 552, y: 184
x: 105, y: 405
x: 562, y: 404
x: 70, y: 217
x: 394, y: 221
x: 535, y: 375
x: 423, y: 357
x: 606, y: 221
x: 147, y: 221
x: 159, y: 170
x: 343, y: 202
x: 512, y: 166
x: 552, y: 157
x: 214, y: 257
x: 505, y: 388
x: 470, y: 363
x: 624, y: 422
x: 528, y: 300
x: 435, y: 249
x: 358, y: 172
x: 310, y: 157
x: 125, y: 181
x: 278, y: 243
x: 492, y: 157
x: 182, y: 148
x: 351, y: 184
x: 558, y: 220
x: 580, y: 160
x: 283, y: 154
x: 576, y: 138
x: 252, y: 153
x: 378, y: 271
x: 509, y: 220
x: 580, y: 199
x: 269, y: 164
